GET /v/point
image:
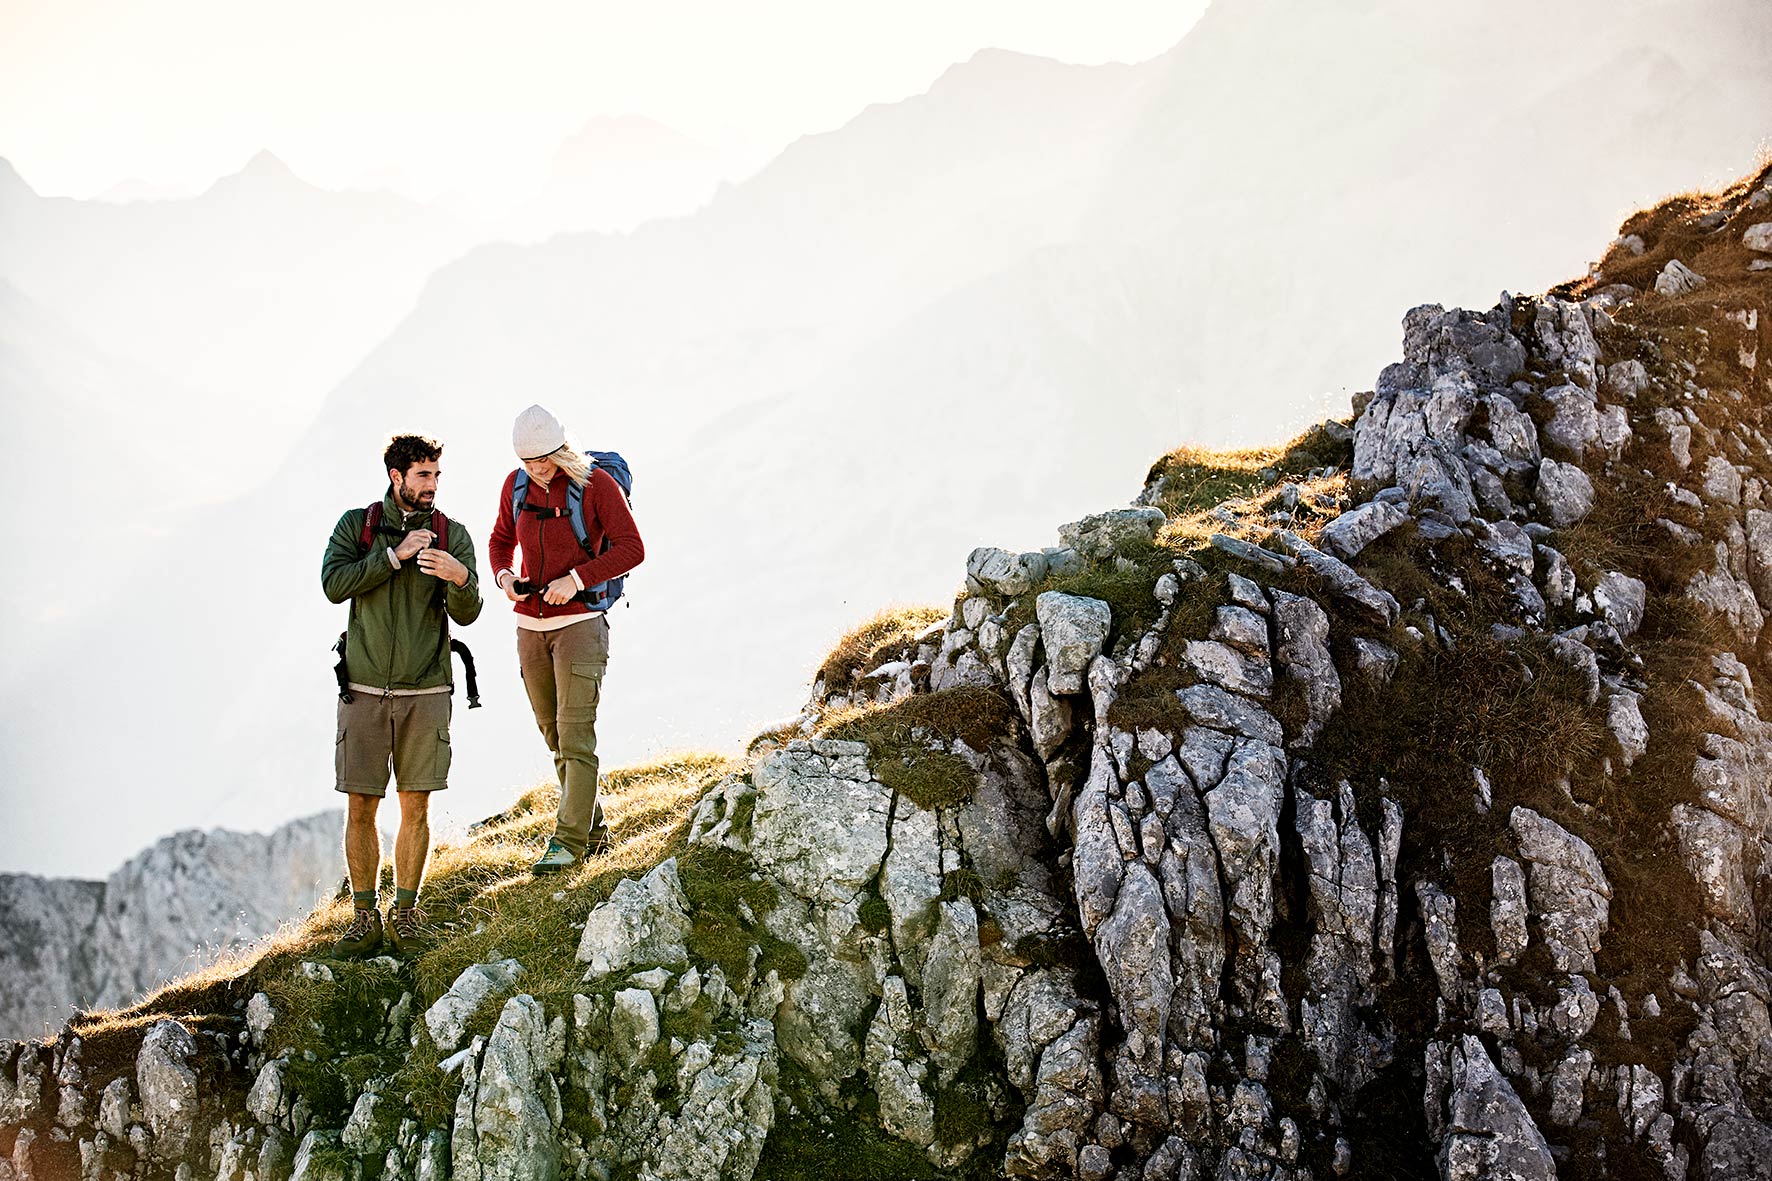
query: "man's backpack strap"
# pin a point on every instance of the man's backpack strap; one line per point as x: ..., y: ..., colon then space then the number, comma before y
x: 371, y: 526
x: 338, y: 670
x: 467, y: 667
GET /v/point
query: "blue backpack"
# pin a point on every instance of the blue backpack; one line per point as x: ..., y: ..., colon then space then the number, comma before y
x: 603, y: 595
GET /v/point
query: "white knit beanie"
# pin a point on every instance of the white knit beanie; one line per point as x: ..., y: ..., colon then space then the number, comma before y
x: 537, y: 434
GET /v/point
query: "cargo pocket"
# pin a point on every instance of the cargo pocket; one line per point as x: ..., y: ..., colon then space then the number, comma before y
x: 444, y: 753
x: 578, y: 700
x: 338, y: 757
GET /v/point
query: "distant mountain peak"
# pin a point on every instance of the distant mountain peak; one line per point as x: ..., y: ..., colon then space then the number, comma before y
x: 10, y: 178
x: 265, y: 165
x: 265, y: 170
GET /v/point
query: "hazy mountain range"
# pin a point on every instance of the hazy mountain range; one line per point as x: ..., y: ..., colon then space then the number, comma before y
x: 172, y: 908
x: 954, y: 319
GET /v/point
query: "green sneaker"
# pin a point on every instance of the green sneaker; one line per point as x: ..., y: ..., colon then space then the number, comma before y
x: 362, y: 937
x: 557, y: 858
x: 406, y: 930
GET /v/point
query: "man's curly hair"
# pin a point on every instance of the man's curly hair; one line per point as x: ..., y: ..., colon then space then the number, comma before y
x: 405, y: 450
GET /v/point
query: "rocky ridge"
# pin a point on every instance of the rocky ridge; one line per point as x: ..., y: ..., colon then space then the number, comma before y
x: 190, y: 897
x: 1402, y: 811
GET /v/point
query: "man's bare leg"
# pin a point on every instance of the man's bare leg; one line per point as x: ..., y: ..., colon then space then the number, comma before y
x: 363, y: 859
x: 363, y: 843
x: 412, y: 847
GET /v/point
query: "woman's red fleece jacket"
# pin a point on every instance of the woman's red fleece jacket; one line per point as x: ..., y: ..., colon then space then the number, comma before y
x: 551, y: 549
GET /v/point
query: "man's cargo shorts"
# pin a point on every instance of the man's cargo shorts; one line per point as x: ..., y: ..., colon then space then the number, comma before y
x: 408, y: 733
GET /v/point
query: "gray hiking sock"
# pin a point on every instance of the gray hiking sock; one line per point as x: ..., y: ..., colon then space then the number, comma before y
x: 365, y: 899
x: 405, y: 899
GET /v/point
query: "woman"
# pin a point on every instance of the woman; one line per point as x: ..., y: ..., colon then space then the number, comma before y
x: 562, y: 631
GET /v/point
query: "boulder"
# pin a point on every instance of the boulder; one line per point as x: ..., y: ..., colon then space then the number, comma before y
x: 1004, y: 573
x: 1677, y: 278
x: 820, y: 822
x: 1074, y: 630
x: 1565, y: 493
x: 642, y: 923
x: 508, y: 1112
x: 1569, y: 890
x: 166, y: 1080
x: 448, y: 1018
x: 1104, y: 535
x: 1358, y: 528
x: 1489, y: 1134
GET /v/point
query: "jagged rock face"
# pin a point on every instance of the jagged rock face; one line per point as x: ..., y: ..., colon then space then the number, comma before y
x: 1140, y: 890
x: 172, y: 908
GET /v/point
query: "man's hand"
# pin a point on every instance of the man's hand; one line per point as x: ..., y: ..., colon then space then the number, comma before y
x: 507, y: 580
x: 560, y: 591
x: 414, y: 542
x: 442, y: 564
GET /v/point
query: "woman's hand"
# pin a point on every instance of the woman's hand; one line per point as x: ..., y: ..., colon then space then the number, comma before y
x: 560, y: 591
x: 507, y: 580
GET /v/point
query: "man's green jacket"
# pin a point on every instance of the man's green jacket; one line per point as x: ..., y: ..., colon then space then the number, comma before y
x: 398, y: 637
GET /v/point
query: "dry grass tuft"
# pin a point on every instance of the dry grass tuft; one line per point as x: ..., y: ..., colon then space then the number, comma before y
x: 886, y: 637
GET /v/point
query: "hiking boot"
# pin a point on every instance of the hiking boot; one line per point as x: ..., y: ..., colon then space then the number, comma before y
x: 407, y: 931
x: 362, y: 937
x: 557, y: 858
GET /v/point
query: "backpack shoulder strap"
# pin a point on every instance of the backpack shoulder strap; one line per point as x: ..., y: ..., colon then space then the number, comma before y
x: 575, y: 510
x: 519, y: 493
x: 440, y: 526
x: 371, y: 522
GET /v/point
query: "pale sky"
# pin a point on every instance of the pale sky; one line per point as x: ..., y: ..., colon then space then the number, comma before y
x: 433, y: 96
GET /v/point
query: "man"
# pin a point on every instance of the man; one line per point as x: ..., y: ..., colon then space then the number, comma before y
x: 400, y: 585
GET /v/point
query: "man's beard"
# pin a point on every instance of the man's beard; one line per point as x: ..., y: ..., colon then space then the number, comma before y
x: 414, y: 504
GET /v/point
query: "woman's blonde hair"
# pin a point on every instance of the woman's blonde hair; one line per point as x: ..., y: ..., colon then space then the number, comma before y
x: 576, y: 466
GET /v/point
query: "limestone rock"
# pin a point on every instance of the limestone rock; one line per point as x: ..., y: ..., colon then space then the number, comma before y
x: 318, y: 1158
x: 1228, y: 667
x: 166, y: 1079
x: 1301, y: 649
x: 1722, y: 481
x: 1574, y: 424
x: 950, y: 989
x: 448, y: 1018
x: 633, y: 1025
x: 1342, y: 580
x: 1630, y: 733
x: 1570, y: 893
x: 1565, y: 493
x: 820, y: 822
x: 1074, y: 630
x: 1439, y: 918
x: 1106, y: 534
x: 1133, y: 947
x: 508, y: 1112
x: 1004, y: 573
x: 1358, y: 528
x: 1621, y: 600
x: 642, y: 922
x: 1489, y: 1134
x: 1677, y: 278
